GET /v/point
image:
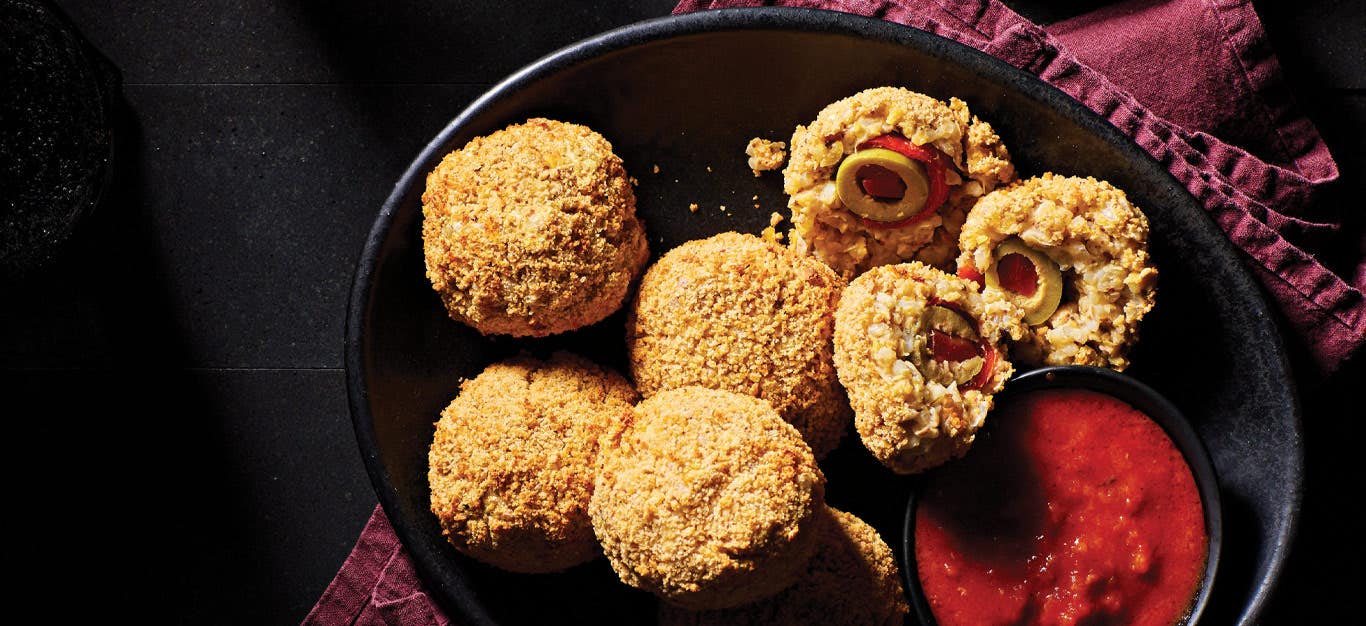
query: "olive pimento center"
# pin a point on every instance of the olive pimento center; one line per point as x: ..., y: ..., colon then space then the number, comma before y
x: 890, y: 182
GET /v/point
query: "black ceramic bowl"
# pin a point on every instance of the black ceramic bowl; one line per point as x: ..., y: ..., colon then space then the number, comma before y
x: 1147, y: 401
x: 686, y: 93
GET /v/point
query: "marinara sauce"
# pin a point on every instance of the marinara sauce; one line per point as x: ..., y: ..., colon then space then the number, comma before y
x: 1073, y: 508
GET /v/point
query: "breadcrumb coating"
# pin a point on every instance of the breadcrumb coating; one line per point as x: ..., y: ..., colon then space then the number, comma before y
x: 511, y: 464
x: 852, y: 580
x: 765, y: 155
x: 821, y: 225
x: 738, y: 313
x: 770, y: 233
x: 532, y: 230
x: 908, y: 408
x: 707, y: 499
x: 1099, y: 241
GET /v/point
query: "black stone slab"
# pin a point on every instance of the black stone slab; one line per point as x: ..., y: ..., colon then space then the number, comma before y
x: 307, y: 41
x: 1318, y: 584
x: 210, y: 496
x: 1319, y: 42
x: 245, y: 210
x: 1341, y: 118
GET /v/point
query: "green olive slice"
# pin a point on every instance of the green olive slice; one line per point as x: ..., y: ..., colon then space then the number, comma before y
x: 1028, y: 276
x: 852, y: 183
x: 949, y: 322
x: 968, y: 370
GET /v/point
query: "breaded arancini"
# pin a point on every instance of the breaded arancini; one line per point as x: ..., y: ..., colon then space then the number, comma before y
x: 532, y: 230
x: 1099, y: 241
x: 707, y: 499
x: 913, y: 409
x: 765, y: 155
x: 852, y: 580
x: 977, y: 162
x: 511, y: 464
x: 738, y: 313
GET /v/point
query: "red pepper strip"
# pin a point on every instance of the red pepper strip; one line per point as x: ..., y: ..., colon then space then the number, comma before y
x: 935, y: 168
x: 983, y: 348
x: 968, y: 272
x: 989, y: 356
x: 946, y: 347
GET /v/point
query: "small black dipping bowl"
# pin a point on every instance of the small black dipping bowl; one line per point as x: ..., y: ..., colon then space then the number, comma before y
x: 1137, y: 395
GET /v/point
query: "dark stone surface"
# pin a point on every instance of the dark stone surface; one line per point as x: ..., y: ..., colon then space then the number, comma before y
x: 177, y: 373
x: 1318, y: 42
x: 196, y: 496
x: 251, y: 202
x: 257, y: 197
x: 310, y: 41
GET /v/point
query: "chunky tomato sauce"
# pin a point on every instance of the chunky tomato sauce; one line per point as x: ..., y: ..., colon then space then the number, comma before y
x: 1074, y: 508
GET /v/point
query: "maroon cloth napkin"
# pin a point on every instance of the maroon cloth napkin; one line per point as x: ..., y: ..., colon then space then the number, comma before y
x: 377, y: 585
x: 1193, y: 82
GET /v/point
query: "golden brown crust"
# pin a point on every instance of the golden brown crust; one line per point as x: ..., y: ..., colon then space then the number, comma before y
x: 988, y: 161
x: 1098, y: 239
x: 707, y: 499
x: 765, y: 155
x: 821, y: 225
x: 909, y: 411
x: 511, y: 464
x: 738, y: 313
x: 532, y: 230
x: 852, y: 580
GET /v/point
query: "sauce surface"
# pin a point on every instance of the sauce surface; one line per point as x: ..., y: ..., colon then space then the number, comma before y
x: 1073, y: 508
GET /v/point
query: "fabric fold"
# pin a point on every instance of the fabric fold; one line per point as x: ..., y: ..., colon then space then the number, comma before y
x: 376, y: 585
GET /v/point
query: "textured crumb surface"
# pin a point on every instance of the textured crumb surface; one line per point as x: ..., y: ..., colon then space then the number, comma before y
x: 1100, y: 242
x: 908, y: 409
x: 707, y: 499
x: 770, y: 232
x: 532, y: 230
x: 765, y: 155
x: 852, y: 580
x: 511, y: 464
x: 738, y: 313
x: 824, y: 228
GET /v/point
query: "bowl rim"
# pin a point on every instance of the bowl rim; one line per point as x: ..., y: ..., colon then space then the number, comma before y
x: 1147, y: 401
x: 782, y: 19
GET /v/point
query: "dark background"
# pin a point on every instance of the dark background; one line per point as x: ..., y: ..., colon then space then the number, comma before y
x: 180, y: 444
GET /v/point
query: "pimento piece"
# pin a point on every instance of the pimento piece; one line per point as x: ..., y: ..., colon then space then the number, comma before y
x: 967, y: 272
x: 946, y: 347
x: 1017, y: 274
x: 1028, y: 277
x: 989, y: 357
x: 882, y: 186
x: 951, y: 348
x: 880, y: 182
